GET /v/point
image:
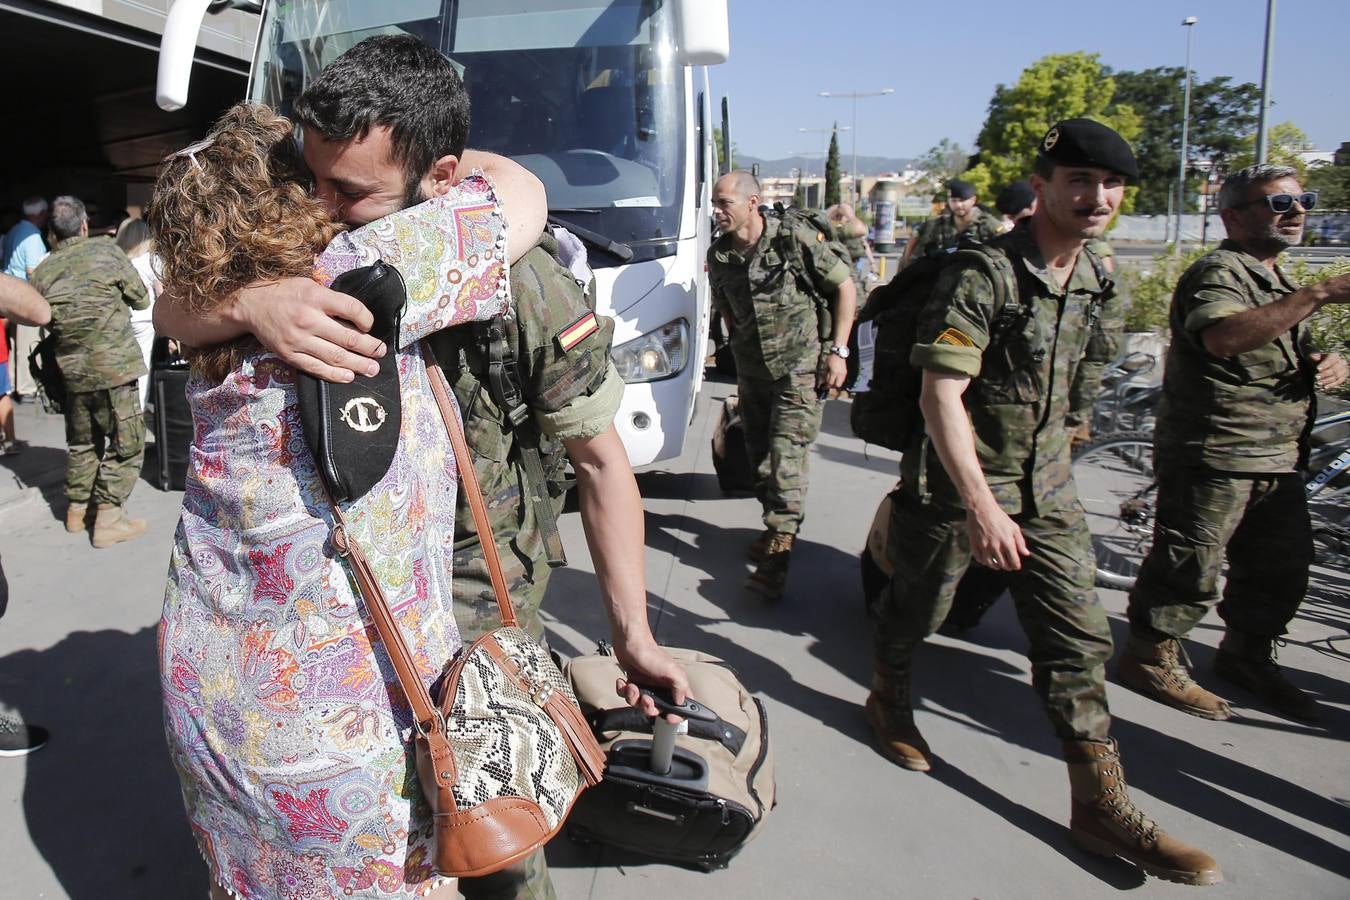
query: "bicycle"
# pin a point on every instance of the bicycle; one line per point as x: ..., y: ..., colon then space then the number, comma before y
x: 1125, y: 403
x: 1118, y: 489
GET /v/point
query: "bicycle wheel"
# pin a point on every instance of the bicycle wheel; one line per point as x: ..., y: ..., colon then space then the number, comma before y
x: 1118, y: 490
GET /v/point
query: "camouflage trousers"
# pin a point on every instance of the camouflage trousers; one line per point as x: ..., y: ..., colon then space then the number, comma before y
x: 105, y: 437
x: 782, y: 420
x: 1262, y: 521
x: 526, y: 880
x: 1059, y: 611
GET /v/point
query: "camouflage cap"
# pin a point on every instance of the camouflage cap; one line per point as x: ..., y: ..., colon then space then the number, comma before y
x: 1083, y: 142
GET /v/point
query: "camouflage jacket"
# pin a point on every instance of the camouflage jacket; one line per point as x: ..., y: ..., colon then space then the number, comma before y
x: 1243, y: 413
x: 92, y: 288
x: 569, y: 385
x: 942, y: 232
x: 856, y: 246
x: 1022, y: 360
x: 773, y: 309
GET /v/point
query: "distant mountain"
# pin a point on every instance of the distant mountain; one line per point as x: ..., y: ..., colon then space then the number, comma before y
x: 815, y: 165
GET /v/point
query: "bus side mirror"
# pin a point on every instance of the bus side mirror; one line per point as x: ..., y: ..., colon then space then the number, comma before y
x: 701, y: 32
x: 176, y: 51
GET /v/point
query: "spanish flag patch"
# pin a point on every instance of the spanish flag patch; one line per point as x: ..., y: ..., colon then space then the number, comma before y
x: 955, y: 337
x: 578, y: 331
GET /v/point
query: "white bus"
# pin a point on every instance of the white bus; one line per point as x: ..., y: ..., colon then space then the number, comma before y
x: 606, y: 101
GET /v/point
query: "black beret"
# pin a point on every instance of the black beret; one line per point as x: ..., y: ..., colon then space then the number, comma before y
x: 1083, y: 142
x: 1015, y: 197
x: 961, y: 190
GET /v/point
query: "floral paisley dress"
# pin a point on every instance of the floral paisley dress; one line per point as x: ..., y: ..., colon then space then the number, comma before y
x: 284, y: 720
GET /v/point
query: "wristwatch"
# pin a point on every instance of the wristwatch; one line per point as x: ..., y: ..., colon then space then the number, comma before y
x: 841, y: 352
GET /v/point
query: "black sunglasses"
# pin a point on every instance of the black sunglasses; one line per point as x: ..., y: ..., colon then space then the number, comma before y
x: 1282, y: 203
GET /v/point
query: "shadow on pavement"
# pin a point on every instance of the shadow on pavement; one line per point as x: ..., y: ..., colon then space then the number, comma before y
x: 101, y: 799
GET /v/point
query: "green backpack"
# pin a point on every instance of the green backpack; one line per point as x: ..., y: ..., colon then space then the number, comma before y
x: 888, y: 412
x: 790, y: 249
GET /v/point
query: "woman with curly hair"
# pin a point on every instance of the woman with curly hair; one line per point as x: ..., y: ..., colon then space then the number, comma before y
x: 288, y: 734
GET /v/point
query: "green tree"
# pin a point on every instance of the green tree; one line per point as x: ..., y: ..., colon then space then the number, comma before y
x: 722, y: 164
x: 1055, y: 87
x: 832, y: 169
x: 1284, y: 143
x: 943, y: 162
x: 1221, y: 113
x: 1332, y: 184
x: 799, y: 195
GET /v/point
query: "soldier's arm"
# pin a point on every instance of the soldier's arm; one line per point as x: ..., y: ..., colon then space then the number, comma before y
x: 20, y: 303
x: 953, y: 332
x: 1226, y: 332
x: 521, y: 192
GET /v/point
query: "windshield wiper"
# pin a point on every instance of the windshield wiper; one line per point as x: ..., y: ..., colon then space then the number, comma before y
x: 621, y: 252
x: 589, y: 210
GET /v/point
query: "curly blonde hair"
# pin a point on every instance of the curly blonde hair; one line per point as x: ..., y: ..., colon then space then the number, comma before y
x: 234, y: 210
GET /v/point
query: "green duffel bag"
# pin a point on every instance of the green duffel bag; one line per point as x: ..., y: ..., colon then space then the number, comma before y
x: 720, y: 784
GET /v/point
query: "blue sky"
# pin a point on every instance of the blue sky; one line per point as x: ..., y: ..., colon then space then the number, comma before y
x: 944, y: 59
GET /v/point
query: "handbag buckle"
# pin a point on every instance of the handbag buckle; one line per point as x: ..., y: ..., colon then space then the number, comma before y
x: 338, y: 537
x: 538, y: 688
x: 438, y: 718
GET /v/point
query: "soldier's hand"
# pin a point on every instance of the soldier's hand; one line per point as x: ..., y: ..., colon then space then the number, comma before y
x: 834, y: 374
x: 1332, y: 370
x: 1334, y: 290
x: 996, y: 541
x: 646, y: 663
x: 316, y: 330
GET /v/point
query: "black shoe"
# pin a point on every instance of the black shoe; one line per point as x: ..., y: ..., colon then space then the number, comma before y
x: 18, y: 739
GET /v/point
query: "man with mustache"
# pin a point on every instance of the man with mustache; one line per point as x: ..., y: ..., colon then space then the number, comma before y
x: 991, y: 482
x: 963, y: 218
x: 1231, y: 449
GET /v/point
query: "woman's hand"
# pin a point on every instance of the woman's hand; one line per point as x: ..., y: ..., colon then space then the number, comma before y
x: 647, y: 664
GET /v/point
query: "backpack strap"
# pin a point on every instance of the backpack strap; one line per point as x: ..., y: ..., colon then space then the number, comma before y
x: 498, y: 338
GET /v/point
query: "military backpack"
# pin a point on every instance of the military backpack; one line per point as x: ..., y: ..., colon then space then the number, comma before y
x: 888, y: 412
x: 794, y: 220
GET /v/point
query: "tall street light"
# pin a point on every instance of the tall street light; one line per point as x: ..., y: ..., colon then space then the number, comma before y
x: 831, y: 130
x: 1189, y: 24
x: 854, y: 95
x: 1261, y: 136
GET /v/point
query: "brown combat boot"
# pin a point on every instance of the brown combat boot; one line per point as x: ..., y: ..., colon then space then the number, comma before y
x: 769, y: 579
x: 111, y: 526
x: 1106, y: 822
x: 77, y: 517
x: 1249, y: 662
x: 1157, y: 670
x: 760, y: 545
x: 890, y: 713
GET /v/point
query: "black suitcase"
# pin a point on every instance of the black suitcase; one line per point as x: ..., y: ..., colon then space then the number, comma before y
x: 173, y: 417
x: 713, y: 792
x: 730, y: 459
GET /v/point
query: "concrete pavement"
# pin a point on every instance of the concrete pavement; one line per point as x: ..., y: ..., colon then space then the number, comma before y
x: 97, y: 813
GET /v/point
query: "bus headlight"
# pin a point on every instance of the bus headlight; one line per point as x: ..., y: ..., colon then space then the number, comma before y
x: 657, y: 354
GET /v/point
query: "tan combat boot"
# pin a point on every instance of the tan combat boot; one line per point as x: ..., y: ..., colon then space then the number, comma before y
x: 760, y: 545
x: 890, y: 714
x: 1106, y: 822
x: 769, y: 579
x: 111, y: 526
x: 77, y: 517
x: 1249, y: 662
x: 1156, y: 669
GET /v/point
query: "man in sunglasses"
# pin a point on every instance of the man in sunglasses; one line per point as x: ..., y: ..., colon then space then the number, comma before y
x: 1231, y: 447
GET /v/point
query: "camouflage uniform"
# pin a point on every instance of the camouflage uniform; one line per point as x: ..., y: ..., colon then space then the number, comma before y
x: 1021, y: 366
x: 92, y: 288
x: 856, y: 248
x: 1230, y: 446
x: 1088, y: 380
x: 776, y: 340
x: 942, y: 232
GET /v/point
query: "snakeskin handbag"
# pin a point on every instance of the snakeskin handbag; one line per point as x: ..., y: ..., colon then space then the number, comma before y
x: 504, y: 750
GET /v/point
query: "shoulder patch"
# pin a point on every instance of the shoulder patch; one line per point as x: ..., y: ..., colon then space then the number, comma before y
x: 577, y: 332
x: 955, y: 337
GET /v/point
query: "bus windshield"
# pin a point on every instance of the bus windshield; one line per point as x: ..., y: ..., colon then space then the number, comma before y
x: 586, y: 94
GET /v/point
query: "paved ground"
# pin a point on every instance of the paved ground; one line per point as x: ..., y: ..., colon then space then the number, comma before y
x: 97, y: 813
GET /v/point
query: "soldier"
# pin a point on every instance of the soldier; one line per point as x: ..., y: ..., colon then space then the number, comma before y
x: 373, y: 149
x: 1231, y: 447
x: 1015, y: 202
x: 963, y: 218
x: 992, y: 482
x: 92, y: 288
x: 771, y: 278
x: 851, y: 232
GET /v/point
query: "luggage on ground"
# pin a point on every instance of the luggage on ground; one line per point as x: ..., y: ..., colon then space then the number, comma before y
x: 730, y: 458
x: 720, y: 784
x: 173, y: 416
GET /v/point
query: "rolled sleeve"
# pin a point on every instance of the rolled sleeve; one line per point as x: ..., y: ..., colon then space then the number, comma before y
x: 829, y: 268
x: 586, y: 415
x: 1214, y: 298
x: 953, y: 328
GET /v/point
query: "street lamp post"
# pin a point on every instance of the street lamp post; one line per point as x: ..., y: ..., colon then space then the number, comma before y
x: 1262, y: 137
x: 1189, y: 24
x: 826, y: 157
x: 854, y: 95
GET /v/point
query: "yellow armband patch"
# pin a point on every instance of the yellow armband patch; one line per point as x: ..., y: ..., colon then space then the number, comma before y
x: 955, y: 337
x: 577, y: 332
